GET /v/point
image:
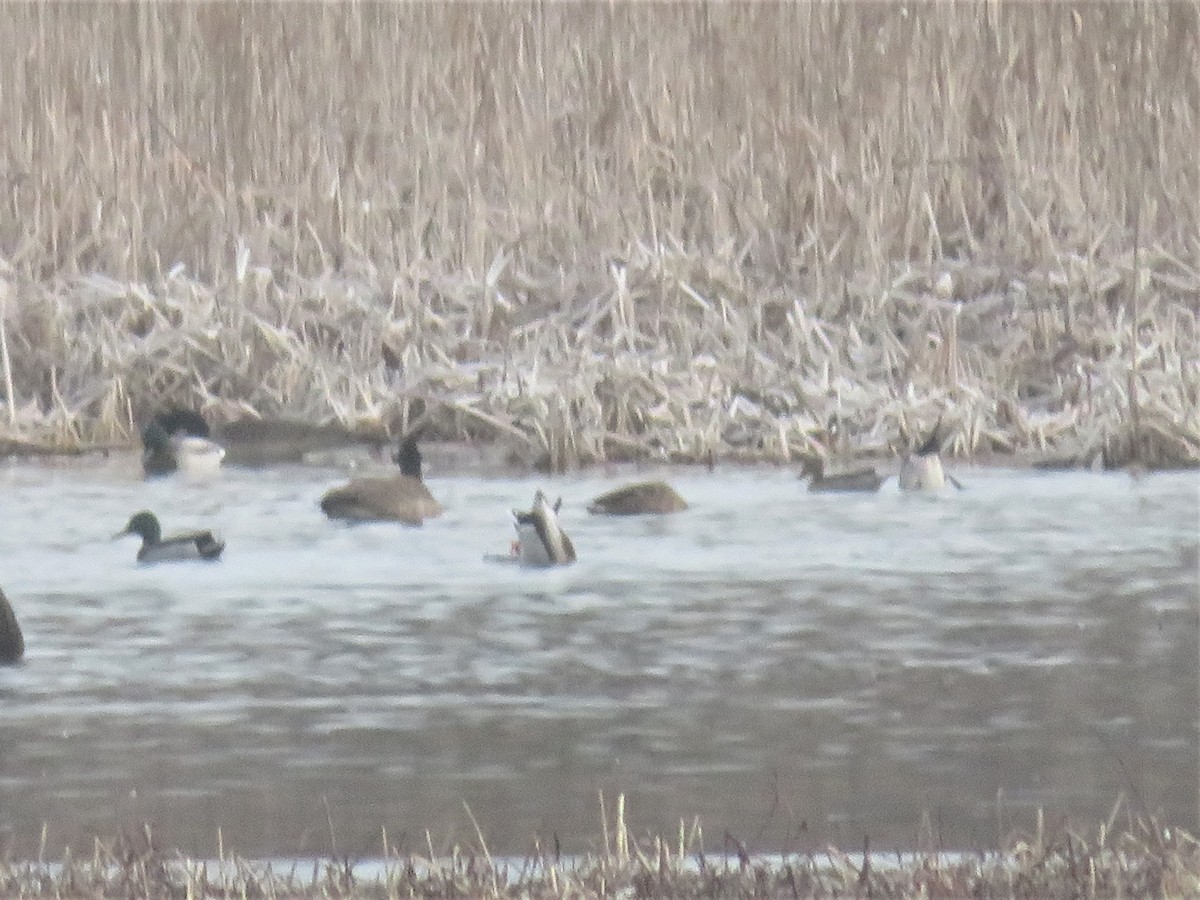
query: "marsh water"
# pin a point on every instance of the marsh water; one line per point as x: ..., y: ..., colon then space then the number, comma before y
x: 791, y: 668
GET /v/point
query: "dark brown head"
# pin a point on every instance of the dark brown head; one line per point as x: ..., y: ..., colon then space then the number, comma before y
x: 409, y: 457
x: 158, y: 454
x: 812, y: 467
x: 177, y: 420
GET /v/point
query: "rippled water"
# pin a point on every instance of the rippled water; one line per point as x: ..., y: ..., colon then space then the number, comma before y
x: 792, y: 668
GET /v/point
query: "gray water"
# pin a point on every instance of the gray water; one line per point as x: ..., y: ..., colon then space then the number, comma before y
x: 791, y: 668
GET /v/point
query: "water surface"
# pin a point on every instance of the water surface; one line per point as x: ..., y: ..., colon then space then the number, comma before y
x: 792, y: 668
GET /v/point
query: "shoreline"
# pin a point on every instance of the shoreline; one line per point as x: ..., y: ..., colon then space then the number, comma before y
x: 495, y: 459
x: 1136, y: 857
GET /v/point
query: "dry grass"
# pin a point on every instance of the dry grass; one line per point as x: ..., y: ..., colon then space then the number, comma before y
x: 1137, y: 859
x: 597, y: 231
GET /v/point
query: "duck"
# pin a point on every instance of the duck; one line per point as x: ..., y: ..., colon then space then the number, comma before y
x: 12, y: 642
x: 400, y: 498
x: 922, y: 469
x: 266, y: 442
x: 540, y: 539
x: 864, y: 480
x: 179, y: 441
x: 155, y: 548
x: 638, y: 499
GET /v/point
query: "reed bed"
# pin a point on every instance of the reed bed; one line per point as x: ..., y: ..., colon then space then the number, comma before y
x: 625, y: 231
x: 1138, y: 858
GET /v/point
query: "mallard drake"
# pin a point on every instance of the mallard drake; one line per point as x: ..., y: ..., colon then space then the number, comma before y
x: 638, y: 499
x: 156, y: 548
x: 401, y: 498
x: 540, y: 539
x: 922, y: 469
x: 12, y: 642
x: 178, y: 440
x: 864, y: 480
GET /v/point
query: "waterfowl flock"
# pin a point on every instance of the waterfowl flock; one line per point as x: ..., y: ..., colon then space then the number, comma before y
x: 181, y: 441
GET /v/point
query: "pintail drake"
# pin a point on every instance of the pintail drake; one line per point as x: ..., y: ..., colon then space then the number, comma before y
x: 399, y: 498
x: 12, y: 642
x: 865, y: 480
x: 639, y: 499
x: 540, y: 539
x: 155, y: 548
x: 178, y: 441
x: 922, y: 469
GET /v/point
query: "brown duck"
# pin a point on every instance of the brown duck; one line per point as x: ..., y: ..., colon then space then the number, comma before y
x: 639, y: 499
x: 865, y: 480
x: 398, y: 498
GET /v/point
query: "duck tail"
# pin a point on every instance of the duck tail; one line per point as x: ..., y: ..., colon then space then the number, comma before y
x: 933, y: 443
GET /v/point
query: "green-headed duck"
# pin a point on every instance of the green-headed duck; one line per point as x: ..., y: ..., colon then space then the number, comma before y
x: 156, y: 548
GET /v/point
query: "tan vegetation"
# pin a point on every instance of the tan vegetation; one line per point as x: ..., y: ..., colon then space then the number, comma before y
x: 609, y: 230
x: 1136, y: 859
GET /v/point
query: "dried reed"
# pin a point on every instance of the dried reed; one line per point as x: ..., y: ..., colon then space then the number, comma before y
x: 1139, y: 858
x: 540, y: 223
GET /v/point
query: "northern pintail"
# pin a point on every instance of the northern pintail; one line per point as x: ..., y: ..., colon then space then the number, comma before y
x: 540, y: 539
x: 922, y: 469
